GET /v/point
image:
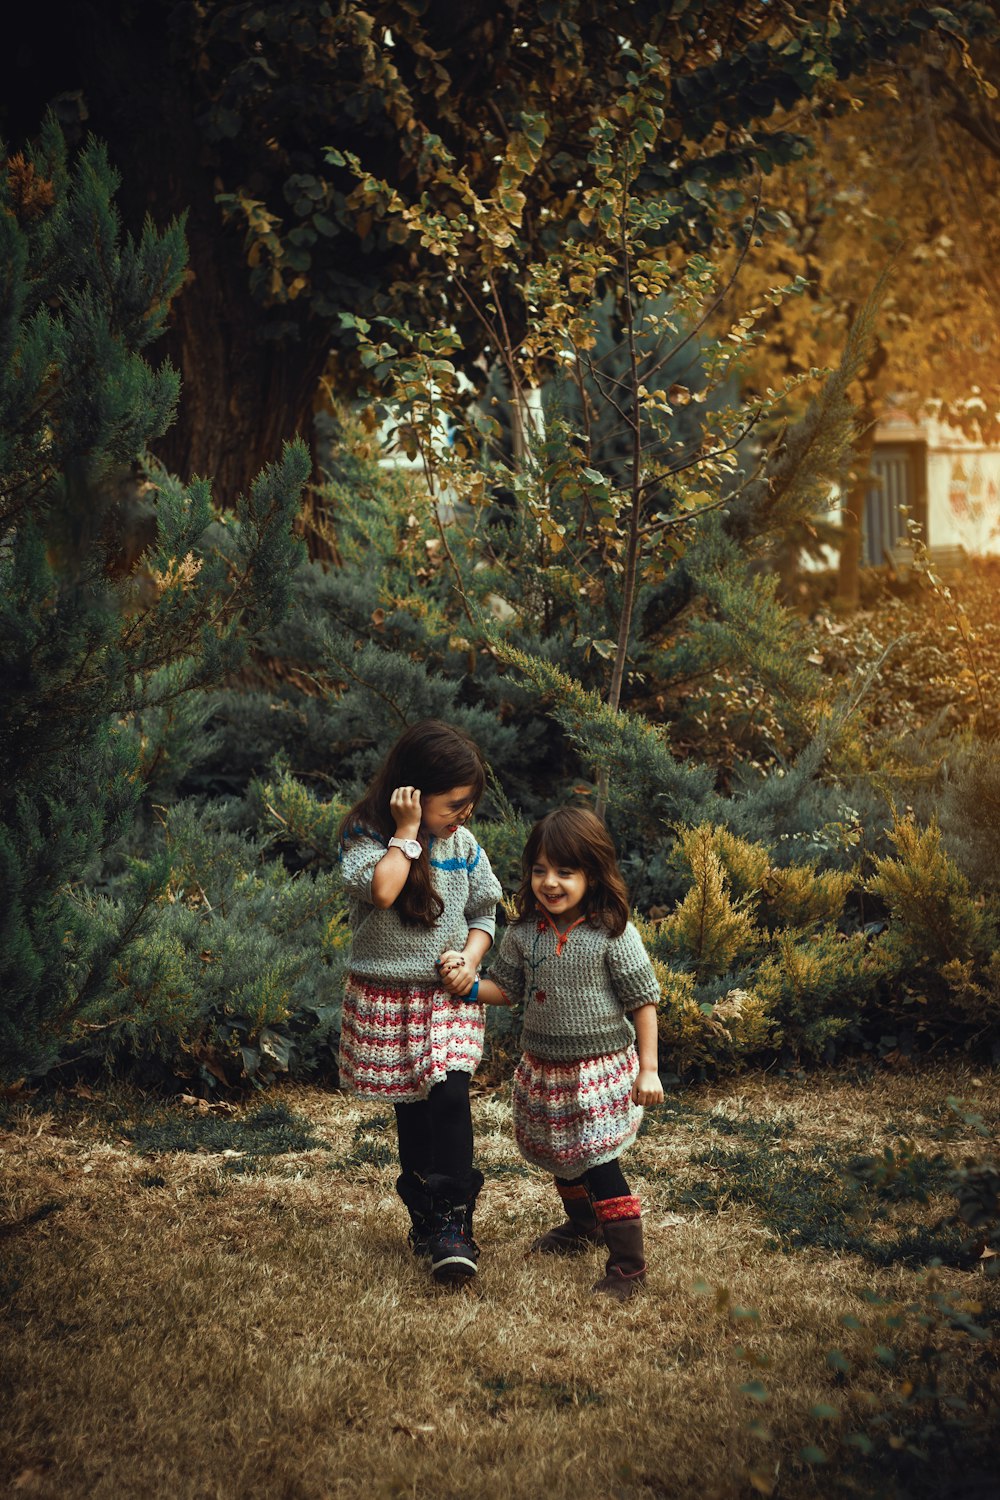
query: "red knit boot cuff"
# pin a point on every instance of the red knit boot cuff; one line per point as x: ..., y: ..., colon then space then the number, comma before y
x: 574, y: 1193
x: 610, y: 1209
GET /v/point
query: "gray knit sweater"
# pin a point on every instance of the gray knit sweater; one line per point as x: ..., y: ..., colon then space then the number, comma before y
x: 386, y: 949
x: 576, y: 991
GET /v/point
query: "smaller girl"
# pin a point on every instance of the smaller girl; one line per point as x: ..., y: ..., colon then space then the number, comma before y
x: 422, y: 902
x: 589, y: 1040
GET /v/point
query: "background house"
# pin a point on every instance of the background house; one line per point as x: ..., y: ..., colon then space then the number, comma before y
x: 949, y: 483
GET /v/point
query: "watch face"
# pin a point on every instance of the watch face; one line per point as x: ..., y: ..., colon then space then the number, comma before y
x: 410, y: 847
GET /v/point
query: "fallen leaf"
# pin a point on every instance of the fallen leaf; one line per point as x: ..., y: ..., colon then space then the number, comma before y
x: 28, y: 1477
x: 412, y: 1429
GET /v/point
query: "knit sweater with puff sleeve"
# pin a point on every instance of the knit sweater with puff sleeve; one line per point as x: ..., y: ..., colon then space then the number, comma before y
x: 577, y: 987
x: 389, y: 951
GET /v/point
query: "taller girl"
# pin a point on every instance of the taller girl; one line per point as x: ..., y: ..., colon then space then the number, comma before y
x: 422, y: 901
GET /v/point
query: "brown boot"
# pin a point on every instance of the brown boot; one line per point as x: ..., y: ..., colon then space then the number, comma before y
x: 580, y: 1231
x: 625, y: 1271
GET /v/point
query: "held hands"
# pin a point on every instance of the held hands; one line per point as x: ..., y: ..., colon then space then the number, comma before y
x: 457, y: 974
x: 404, y: 804
x: 647, y: 1088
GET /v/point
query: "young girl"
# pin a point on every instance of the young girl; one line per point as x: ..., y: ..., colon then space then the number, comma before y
x: 589, y: 1041
x: 422, y: 904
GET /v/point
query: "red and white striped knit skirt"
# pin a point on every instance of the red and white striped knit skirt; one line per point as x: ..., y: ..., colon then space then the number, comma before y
x: 571, y: 1116
x: 398, y: 1041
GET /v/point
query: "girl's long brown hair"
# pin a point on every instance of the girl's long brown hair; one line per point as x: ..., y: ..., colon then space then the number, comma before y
x: 433, y: 757
x: 573, y: 838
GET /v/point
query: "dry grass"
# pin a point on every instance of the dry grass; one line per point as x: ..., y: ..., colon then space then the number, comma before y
x: 178, y: 1326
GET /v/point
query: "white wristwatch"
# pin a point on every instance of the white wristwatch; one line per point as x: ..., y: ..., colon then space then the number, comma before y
x: 410, y: 847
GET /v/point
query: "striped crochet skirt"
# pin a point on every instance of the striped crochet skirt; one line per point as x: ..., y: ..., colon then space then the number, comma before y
x: 571, y: 1116
x: 398, y: 1041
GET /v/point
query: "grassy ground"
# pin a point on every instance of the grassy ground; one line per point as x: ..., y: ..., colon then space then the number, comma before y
x: 219, y: 1305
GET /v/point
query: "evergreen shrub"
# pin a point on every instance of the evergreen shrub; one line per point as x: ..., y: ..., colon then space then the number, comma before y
x: 238, y: 979
x: 122, y: 592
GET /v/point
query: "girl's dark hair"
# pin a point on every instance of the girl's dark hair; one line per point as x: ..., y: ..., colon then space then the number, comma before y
x: 573, y: 838
x: 433, y: 757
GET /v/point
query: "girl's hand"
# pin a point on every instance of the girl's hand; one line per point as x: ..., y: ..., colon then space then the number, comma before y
x: 647, y: 1088
x: 404, y: 804
x: 457, y: 974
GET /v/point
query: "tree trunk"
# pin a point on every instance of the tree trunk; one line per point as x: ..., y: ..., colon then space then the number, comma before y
x: 849, y: 565
x: 242, y: 395
x: 249, y: 374
x: 848, y: 594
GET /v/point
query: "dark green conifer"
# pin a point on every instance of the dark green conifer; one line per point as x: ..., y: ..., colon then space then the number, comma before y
x: 120, y: 588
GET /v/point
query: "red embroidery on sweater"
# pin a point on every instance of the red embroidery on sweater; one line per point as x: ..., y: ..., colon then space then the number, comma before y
x: 540, y: 996
x: 561, y: 937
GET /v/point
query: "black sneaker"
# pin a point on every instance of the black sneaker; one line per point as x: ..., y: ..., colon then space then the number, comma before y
x: 412, y: 1188
x: 454, y: 1252
x: 419, y: 1242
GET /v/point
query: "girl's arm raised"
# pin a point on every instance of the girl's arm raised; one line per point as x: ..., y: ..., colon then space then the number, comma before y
x: 393, y: 869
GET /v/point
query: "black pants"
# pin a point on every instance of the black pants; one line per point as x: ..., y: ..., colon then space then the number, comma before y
x: 435, y: 1134
x: 605, y: 1181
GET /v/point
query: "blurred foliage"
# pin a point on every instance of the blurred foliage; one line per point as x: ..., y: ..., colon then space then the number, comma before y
x: 262, y: 99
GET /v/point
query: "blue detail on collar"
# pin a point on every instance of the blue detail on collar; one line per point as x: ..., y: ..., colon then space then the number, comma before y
x: 456, y: 862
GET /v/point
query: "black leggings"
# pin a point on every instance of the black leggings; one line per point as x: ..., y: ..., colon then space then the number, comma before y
x: 435, y: 1134
x: 605, y: 1181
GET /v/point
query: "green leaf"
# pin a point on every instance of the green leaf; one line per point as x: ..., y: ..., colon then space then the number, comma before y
x: 812, y: 1455
x: 756, y: 1390
x: 824, y: 1412
x: 512, y: 202
x: 839, y: 1362
x: 595, y: 477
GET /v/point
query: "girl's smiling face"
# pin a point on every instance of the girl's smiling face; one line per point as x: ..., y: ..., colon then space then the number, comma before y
x: 441, y: 813
x: 558, y: 889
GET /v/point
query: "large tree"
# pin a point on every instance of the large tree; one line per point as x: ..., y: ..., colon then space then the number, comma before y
x: 902, y: 181
x: 226, y: 110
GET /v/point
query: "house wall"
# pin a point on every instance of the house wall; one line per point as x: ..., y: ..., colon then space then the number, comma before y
x: 953, y: 490
x: 963, y: 499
